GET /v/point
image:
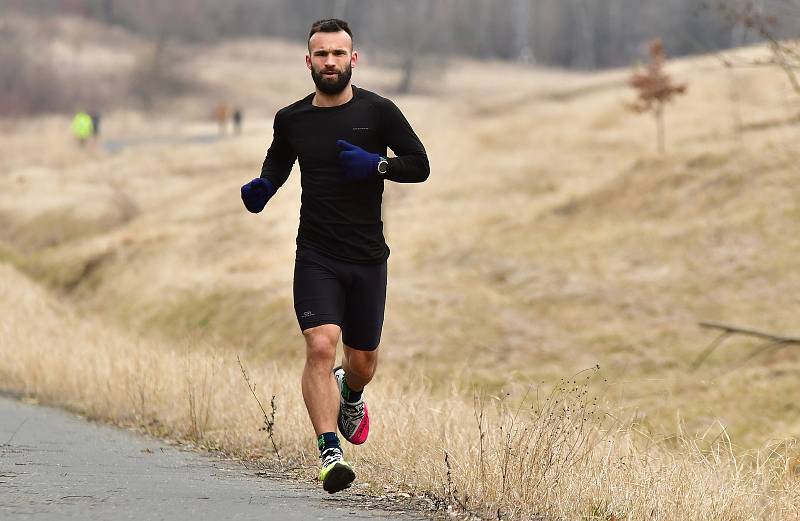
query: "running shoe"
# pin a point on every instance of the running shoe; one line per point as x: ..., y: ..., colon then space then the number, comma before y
x: 353, y: 418
x: 336, y: 473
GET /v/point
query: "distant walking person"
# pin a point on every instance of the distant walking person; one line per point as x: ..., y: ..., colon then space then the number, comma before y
x: 221, y: 115
x: 340, y: 134
x: 237, y: 120
x: 95, y: 115
x: 82, y: 127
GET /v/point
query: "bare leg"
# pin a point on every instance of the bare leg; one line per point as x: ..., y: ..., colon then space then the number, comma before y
x: 319, y: 386
x: 359, y: 367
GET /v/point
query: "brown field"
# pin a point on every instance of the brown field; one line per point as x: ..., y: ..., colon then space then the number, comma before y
x: 550, y: 239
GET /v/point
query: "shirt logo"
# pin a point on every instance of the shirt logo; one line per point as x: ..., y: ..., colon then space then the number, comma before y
x: 361, y: 128
x: 307, y: 314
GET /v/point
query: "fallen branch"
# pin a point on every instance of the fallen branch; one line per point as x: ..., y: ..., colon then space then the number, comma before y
x: 774, y: 341
x: 751, y: 332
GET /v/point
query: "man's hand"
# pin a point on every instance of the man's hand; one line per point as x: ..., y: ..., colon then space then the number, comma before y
x: 357, y: 162
x: 256, y: 193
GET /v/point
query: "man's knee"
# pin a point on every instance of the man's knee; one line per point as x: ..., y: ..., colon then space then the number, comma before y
x: 362, y: 363
x: 321, y: 345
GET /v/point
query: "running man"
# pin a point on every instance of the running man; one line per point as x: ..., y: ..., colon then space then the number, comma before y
x: 340, y: 134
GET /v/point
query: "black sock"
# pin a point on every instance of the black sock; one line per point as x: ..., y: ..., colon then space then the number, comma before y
x: 327, y: 440
x: 350, y: 395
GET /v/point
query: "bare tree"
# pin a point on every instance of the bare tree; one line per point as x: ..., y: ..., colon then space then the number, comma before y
x: 419, y: 28
x: 584, y: 34
x: 615, y: 21
x: 751, y: 15
x: 741, y: 34
x: 523, y: 12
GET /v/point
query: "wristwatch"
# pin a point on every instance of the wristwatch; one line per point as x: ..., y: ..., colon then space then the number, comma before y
x: 383, y: 167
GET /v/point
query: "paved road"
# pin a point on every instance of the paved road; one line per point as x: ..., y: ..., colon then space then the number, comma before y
x: 57, y: 466
x: 116, y: 145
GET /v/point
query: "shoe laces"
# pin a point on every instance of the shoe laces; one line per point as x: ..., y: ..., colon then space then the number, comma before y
x: 331, y: 455
x: 353, y: 411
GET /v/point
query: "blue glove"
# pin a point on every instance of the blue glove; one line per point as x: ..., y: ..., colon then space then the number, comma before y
x: 357, y: 162
x: 256, y: 193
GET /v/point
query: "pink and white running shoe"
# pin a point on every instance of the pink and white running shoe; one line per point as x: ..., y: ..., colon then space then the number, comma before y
x: 353, y: 418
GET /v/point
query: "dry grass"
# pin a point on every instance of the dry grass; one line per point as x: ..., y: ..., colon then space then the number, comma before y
x: 558, y: 456
x: 550, y: 238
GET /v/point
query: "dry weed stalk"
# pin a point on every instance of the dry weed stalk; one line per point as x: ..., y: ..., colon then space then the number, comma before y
x: 269, y: 420
x: 143, y: 387
x: 538, y: 446
x: 561, y: 435
x: 199, y: 404
x: 479, y: 409
x: 451, y: 492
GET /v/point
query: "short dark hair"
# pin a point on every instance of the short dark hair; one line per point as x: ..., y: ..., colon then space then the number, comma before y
x: 329, y: 25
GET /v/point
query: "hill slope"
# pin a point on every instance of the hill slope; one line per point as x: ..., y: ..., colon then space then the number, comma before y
x: 549, y: 238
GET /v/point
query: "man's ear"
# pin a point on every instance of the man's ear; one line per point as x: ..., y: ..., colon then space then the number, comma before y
x: 308, y: 61
x: 354, y: 59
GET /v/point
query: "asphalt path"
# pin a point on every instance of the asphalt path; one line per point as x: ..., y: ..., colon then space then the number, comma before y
x: 57, y: 466
x: 116, y: 145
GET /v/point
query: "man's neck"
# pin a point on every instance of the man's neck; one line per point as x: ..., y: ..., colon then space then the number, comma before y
x: 333, y: 100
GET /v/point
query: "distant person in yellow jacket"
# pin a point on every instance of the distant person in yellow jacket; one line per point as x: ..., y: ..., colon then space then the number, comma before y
x: 82, y: 127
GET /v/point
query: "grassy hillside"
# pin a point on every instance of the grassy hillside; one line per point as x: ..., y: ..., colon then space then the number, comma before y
x: 554, y: 456
x: 550, y: 237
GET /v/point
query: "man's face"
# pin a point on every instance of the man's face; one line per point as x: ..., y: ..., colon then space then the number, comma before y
x: 331, y: 60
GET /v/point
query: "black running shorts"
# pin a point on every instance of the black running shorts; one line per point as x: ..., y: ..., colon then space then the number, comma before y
x: 350, y: 295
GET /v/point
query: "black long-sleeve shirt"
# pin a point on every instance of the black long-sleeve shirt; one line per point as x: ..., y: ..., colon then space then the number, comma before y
x: 338, y: 216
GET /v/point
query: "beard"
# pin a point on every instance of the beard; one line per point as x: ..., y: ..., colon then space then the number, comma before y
x: 332, y: 86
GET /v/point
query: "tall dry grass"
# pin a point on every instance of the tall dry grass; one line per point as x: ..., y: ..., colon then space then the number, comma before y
x: 559, y: 455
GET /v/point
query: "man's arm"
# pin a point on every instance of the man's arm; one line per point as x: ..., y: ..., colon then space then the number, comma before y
x: 280, y: 157
x: 411, y: 164
x: 274, y: 171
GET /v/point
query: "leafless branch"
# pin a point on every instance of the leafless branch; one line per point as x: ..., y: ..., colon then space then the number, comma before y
x: 751, y: 332
x: 785, y: 53
x: 774, y: 341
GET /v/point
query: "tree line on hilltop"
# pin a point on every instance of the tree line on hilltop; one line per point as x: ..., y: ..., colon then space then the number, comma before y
x: 585, y: 34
